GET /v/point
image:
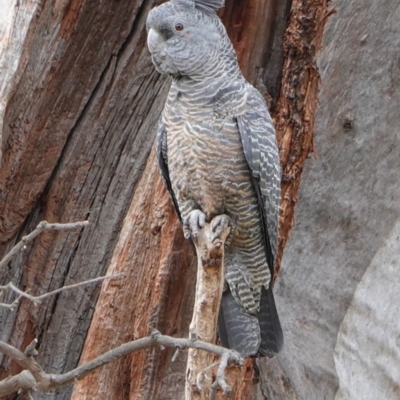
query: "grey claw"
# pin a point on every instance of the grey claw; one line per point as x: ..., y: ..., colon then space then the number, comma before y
x: 219, y: 224
x: 195, y: 220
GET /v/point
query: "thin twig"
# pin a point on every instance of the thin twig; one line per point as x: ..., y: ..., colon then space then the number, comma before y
x: 12, y: 305
x: 176, y: 354
x: 203, y: 374
x: 38, y: 299
x: 220, y: 380
x: 45, y: 382
x: 43, y: 225
x: 30, y: 350
x: 14, y: 353
x: 22, y: 381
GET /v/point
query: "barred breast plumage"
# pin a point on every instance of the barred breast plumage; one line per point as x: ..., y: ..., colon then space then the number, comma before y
x: 208, y: 171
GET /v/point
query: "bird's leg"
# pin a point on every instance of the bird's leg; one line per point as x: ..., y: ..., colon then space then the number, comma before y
x: 219, y: 225
x: 192, y: 223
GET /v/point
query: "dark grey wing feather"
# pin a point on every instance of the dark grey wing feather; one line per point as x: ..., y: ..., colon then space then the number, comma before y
x: 163, y: 163
x: 261, y: 152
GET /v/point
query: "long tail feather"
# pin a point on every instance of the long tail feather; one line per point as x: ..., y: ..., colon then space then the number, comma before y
x: 271, y: 331
x: 250, y: 335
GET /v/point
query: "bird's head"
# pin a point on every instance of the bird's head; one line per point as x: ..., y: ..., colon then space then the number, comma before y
x: 184, y: 36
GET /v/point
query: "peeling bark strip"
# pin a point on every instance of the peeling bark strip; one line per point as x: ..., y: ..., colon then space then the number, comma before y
x: 297, y: 103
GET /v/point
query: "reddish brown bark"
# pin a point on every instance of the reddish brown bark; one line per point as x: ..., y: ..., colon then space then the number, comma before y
x: 78, y: 130
x: 295, y: 110
x: 69, y: 45
x: 93, y: 175
x: 157, y: 265
x: 250, y: 28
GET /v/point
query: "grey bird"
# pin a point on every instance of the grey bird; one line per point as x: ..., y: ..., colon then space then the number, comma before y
x: 219, y: 159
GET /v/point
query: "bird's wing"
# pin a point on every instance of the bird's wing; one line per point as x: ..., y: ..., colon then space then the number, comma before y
x: 261, y: 152
x: 163, y: 163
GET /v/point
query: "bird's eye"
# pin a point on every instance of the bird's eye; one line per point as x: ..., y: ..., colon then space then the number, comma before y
x: 178, y: 27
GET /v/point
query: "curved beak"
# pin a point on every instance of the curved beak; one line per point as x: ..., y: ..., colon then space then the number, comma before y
x: 153, y: 40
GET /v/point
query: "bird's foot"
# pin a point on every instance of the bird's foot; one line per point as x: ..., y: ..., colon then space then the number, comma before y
x: 192, y: 223
x: 219, y: 225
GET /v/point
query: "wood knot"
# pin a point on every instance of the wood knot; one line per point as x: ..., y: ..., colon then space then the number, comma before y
x: 347, y: 125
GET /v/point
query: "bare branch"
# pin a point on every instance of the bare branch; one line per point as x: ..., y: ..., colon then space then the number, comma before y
x: 33, y: 377
x: 209, y: 287
x: 176, y: 354
x: 42, y: 226
x: 155, y: 340
x: 38, y: 299
x: 202, y: 374
x: 22, y: 381
x: 12, y: 305
x: 14, y: 353
x: 30, y: 350
x: 42, y: 380
x: 220, y: 380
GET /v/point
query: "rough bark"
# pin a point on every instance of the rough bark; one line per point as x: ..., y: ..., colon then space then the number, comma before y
x: 297, y: 103
x: 78, y: 127
x: 337, y: 290
x: 156, y: 261
x: 93, y: 174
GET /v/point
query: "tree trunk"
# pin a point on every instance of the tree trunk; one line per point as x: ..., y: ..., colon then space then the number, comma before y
x: 79, y: 116
x: 338, y: 287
